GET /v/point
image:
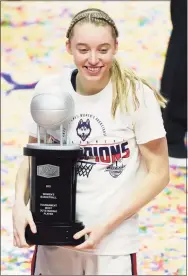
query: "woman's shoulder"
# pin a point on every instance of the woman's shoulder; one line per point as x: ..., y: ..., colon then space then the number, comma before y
x: 57, y: 78
x: 142, y: 97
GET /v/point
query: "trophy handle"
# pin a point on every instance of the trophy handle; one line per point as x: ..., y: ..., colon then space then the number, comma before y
x: 63, y: 135
x: 38, y: 134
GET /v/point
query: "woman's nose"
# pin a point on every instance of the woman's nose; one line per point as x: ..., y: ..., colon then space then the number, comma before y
x: 93, y: 58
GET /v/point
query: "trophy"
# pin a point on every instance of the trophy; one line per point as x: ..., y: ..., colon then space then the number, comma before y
x: 52, y: 172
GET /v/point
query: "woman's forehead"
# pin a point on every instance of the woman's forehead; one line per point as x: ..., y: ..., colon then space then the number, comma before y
x: 87, y: 33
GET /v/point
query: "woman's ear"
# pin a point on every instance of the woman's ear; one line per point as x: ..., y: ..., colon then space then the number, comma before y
x: 68, y: 47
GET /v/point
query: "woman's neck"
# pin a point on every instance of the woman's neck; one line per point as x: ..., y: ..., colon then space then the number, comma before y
x: 87, y: 87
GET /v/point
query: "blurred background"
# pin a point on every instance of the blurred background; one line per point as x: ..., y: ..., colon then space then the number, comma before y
x: 33, y: 45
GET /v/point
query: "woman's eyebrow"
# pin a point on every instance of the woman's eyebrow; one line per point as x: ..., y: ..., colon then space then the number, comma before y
x: 104, y: 44
x: 81, y: 44
x: 85, y: 44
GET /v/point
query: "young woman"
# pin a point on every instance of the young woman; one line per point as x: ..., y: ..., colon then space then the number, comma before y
x: 117, y: 121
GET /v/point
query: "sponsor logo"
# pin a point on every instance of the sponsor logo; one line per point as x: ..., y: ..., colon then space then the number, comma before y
x: 48, y: 171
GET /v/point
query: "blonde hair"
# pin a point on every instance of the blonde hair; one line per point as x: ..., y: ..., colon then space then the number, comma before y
x: 123, y: 79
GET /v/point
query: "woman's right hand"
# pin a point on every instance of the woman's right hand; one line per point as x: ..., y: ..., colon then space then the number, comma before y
x: 22, y: 216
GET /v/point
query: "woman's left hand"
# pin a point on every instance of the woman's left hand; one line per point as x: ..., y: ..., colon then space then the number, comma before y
x: 96, y: 234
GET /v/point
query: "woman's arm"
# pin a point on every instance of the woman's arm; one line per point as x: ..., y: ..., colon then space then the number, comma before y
x: 22, y: 194
x: 21, y: 214
x: 155, y: 155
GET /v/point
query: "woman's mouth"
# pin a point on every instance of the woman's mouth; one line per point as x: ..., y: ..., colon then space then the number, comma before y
x: 93, y: 70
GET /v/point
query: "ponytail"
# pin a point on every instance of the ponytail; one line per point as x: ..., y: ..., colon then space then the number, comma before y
x: 125, y: 80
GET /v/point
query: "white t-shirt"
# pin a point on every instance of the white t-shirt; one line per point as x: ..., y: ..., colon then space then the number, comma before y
x: 107, y: 178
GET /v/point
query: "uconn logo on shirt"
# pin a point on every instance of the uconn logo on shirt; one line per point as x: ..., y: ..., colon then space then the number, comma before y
x: 107, y: 154
x: 112, y: 154
x: 83, y: 129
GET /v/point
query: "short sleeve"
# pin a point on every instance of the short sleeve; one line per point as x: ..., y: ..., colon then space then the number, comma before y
x: 147, y: 119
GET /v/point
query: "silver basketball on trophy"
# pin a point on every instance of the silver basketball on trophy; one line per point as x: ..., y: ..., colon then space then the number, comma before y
x: 51, y: 107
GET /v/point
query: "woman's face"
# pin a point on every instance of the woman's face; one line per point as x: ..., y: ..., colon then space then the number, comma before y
x: 93, y: 48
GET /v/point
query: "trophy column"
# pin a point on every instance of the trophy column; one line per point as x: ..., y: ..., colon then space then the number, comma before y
x: 53, y: 194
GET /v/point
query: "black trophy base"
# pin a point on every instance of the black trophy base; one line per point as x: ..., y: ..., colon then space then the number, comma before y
x: 54, y: 234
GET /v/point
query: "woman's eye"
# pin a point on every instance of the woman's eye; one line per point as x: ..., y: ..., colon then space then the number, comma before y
x: 83, y: 51
x: 103, y: 51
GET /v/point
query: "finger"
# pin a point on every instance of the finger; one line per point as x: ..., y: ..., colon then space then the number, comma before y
x: 16, y: 239
x: 23, y: 243
x: 81, y: 233
x: 31, y: 223
x: 88, y: 244
x: 22, y: 240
